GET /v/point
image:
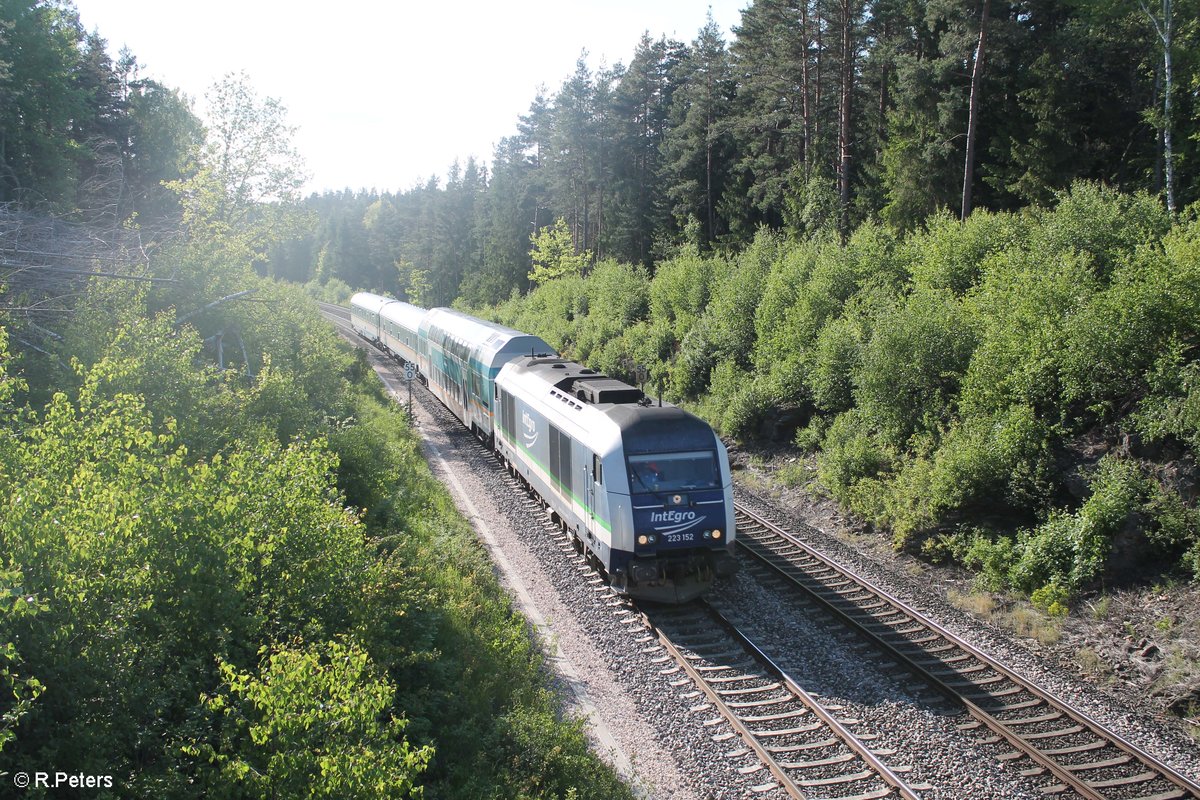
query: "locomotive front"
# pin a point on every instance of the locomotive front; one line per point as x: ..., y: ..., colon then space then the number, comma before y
x: 682, y: 532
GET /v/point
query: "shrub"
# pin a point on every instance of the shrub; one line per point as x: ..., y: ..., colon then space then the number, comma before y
x: 1018, y: 314
x: 912, y: 365
x: 1172, y: 406
x: 836, y: 358
x: 991, y: 557
x: 692, y: 370
x: 979, y: 463
x: 551, y: 311
x: 746, y: 410
x: 950, y: 254
x: 682, y: 289
x: 1071, y: 550
x: 850, y: 454
x: 1052, y: 598
x: 1099, y: 223
x: 313, y: 722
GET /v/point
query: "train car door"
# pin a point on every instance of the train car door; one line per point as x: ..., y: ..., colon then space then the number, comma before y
x: 592, y: 477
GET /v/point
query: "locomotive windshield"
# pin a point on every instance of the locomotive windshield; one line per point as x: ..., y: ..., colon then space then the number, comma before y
x: 674, y: 472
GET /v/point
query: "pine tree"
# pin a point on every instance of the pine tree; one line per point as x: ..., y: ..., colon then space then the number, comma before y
x: 697, y: 148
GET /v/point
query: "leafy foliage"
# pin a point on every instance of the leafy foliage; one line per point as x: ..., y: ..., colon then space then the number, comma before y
x: 309, y: 725
x: 553, y: 254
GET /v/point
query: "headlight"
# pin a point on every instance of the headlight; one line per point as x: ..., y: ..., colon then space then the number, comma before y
x: 716, y: 534
x: 652, y: 538
x: 643, y: 539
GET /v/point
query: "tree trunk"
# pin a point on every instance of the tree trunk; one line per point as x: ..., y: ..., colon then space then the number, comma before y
x: 805, y: 89
x: 845, y: 116
x: 818, y: 25
x: 1168, y: 152
x: 1165, y: 35
x: 973, y: 113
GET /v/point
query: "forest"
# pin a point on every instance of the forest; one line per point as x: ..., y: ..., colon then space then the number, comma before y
x: 945, y: 252
x: 817, y: 115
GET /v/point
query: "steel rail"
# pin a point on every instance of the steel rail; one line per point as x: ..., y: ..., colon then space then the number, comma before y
x: 897, y: 787
x: 1068, y: 779
x: 843, y: 733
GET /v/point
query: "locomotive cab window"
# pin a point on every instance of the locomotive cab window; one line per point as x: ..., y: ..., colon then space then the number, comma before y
x: 674, y: 472
x: 597, y: 469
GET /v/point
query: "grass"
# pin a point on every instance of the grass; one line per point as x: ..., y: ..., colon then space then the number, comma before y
x: 1092, y: 664
x: 979, y: 605
x: 1031, y: 623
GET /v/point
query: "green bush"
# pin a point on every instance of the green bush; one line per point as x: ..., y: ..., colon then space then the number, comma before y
x: 312, y: 722
x: 1019, y: 313
x: 980, y: 463
x: 1172, y: 405
x: 551, y: 311
x: 912, y: 365
x: 683, y: 287
x: 1099, y: 223
x: 745, y: 410
x: 171, y: 520
x: 1071, y: 550
x: 837, y: 357
x: 850, y: 454
x: 991, y: 557
x: 617, y: 297
x: 1053, y: 598
x: 949, y: 254
x: 692, y: 370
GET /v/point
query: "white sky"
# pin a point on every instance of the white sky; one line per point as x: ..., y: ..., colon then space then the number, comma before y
x: 386, y: 93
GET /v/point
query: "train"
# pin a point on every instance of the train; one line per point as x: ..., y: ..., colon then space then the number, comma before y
x: 643, y: 488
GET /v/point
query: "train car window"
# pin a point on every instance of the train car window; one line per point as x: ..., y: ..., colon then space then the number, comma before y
x: 673, y: 472
x: 597, y: 469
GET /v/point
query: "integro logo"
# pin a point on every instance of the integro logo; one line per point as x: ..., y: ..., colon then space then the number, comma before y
x: 673, y: 516
x: 530, y: 433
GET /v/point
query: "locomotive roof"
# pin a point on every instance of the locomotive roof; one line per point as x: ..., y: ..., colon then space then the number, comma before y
x: 571, y: 377
x: 654, y: 429
x: 652, y: 426
x: 627, y: 405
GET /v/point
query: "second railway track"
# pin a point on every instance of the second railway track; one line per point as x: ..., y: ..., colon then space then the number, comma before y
x: 1074, y: 755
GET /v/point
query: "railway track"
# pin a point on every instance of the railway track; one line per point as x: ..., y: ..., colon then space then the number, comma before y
x: 340, y: 315
x: 1073, y: 754
x: 750, y: 703
x: 809, y: 749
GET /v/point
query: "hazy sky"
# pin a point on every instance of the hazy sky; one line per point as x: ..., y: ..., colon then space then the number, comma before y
x: 386, y: 93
